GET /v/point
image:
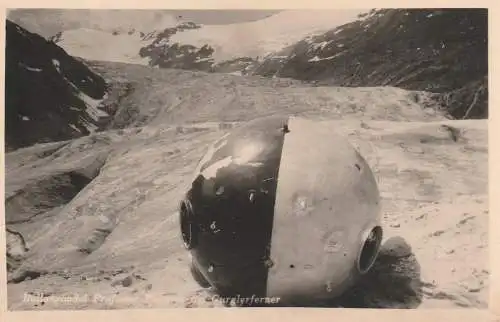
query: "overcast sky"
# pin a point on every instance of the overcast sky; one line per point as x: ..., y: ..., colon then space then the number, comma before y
x: 209, y: 17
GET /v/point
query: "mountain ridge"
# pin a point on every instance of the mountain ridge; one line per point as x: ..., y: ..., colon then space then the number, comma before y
x: 439, y: 51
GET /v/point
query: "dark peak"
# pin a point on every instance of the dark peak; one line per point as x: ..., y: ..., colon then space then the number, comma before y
x: 48, y: 93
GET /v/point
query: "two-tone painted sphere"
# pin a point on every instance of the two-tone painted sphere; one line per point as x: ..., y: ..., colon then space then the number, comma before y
x: 282, y: 207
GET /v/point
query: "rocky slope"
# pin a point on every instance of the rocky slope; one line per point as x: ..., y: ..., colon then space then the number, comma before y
x: 49, y: 95
x: 164, y: 53
x: 98, y: 235
x: 441, y: 51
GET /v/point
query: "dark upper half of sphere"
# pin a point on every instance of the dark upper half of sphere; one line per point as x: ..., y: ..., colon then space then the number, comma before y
x: 244, y: 157
x: 234, y: 190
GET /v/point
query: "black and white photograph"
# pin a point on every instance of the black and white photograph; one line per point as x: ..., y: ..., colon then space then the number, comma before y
x: 223, y: 158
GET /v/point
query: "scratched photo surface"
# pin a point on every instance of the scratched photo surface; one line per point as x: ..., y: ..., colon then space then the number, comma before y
x: 225, y: 158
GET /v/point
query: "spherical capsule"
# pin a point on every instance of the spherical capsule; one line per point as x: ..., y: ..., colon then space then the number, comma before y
x: 282, y: 207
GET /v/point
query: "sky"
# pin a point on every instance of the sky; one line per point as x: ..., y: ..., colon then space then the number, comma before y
x: 210, y: 17
x: 47, y: 22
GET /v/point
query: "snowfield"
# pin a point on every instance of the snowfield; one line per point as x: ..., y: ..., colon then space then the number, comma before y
x: 432, y: 173
x: 250, y: 39
x: 101, y: 45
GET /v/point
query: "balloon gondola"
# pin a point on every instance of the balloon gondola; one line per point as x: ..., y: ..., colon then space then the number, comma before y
x: 281, y: 207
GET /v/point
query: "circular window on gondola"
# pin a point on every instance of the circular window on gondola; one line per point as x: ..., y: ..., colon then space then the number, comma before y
x: 369, y: 251
x: 188, y: 225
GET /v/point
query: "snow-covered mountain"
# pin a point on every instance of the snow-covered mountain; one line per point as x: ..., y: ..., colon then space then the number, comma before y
x: 49, y: 94
x: 95, y: 44
x: 260, y: 38
x: 173, y: 42
x: 440, y: 51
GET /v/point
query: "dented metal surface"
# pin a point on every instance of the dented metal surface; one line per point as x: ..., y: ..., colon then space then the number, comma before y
x: 282, y: 207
